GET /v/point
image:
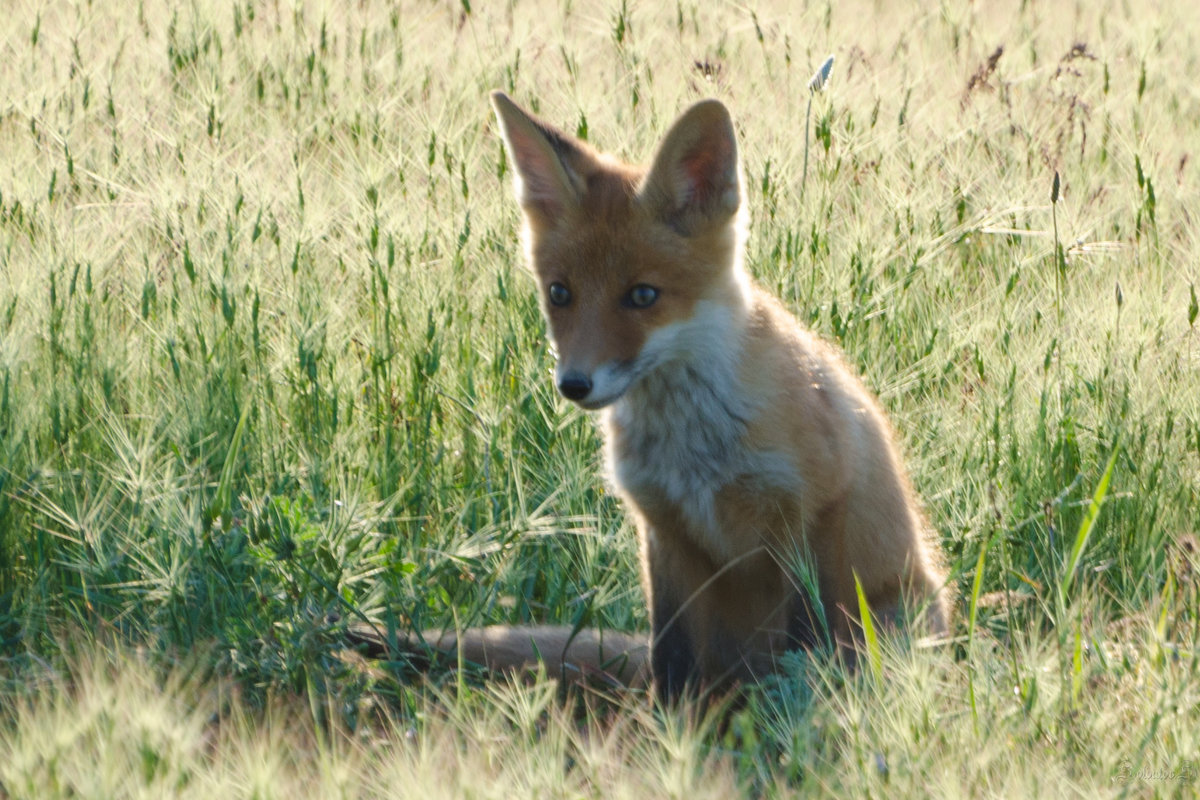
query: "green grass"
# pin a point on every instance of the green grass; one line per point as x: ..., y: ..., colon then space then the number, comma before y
x: 269, y: 364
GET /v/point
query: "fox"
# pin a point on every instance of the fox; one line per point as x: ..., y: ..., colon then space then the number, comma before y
x: 740, y: 442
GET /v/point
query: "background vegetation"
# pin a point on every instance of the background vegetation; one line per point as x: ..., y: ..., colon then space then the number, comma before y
x: 269, y: 365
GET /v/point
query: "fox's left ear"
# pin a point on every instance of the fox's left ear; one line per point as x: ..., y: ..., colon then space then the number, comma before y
x: 694, y: 182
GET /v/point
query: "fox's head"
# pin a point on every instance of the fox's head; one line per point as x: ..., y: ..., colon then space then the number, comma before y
x: 636, y: 267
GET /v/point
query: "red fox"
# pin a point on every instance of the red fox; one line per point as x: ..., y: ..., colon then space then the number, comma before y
x: 741, y: 443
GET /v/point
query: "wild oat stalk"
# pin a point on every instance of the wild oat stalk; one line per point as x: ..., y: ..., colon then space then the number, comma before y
x: 1120, y: 295
x: 1059, y: 261
x: 1060, y: 278
x: 815, y: 84
x: 973, y: 609
x: 1193, y: 309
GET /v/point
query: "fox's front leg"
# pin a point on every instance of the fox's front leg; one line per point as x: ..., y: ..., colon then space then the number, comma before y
x: 669, y: 586
x: 712, y: 624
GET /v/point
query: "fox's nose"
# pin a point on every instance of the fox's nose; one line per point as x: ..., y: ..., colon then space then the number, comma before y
x: 575, y: 386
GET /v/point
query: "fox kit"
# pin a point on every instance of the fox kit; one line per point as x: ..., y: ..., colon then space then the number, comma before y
x: 738, y: 440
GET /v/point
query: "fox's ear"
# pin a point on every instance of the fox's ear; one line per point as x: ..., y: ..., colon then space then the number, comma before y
x: 694, y: 182
x: 546, y: 160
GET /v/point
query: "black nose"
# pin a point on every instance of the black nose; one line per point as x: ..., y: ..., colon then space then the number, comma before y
x: 575, y: 386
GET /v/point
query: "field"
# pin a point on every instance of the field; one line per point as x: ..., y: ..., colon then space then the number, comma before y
x: 270, y: 366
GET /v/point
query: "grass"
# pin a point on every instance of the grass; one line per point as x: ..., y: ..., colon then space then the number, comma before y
x: 269, y: 364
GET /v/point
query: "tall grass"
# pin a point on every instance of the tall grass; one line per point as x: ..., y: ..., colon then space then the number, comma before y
x: 269, y: 364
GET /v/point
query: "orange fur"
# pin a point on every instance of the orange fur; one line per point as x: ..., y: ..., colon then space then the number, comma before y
x: 740, y: 442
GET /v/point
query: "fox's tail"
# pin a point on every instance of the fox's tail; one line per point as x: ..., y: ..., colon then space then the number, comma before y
x: 588, y: 656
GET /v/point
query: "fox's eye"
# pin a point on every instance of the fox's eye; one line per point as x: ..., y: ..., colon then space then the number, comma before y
x: 642, y: 296
x: 559, y: 294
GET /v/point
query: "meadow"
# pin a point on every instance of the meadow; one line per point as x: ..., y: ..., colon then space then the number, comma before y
x: 270, y: 366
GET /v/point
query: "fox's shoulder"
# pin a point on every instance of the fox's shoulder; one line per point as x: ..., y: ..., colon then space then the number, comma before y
x: 778, y: 348
x: 806, y: 394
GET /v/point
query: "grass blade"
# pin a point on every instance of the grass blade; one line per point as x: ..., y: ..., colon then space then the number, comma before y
x: 874, y: 654
x: 223, y: 499
x: 1089, y: 521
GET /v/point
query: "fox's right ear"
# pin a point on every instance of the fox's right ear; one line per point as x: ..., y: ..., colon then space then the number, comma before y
x: 546, y: 160
x: 694, y: 182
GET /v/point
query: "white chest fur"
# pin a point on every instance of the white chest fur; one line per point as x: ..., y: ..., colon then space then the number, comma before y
x: 680, y: 433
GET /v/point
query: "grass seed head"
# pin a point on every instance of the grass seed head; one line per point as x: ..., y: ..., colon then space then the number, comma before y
x: 817, y: 82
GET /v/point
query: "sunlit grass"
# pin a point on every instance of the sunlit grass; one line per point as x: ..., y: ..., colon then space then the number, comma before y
x: 269, y: 365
